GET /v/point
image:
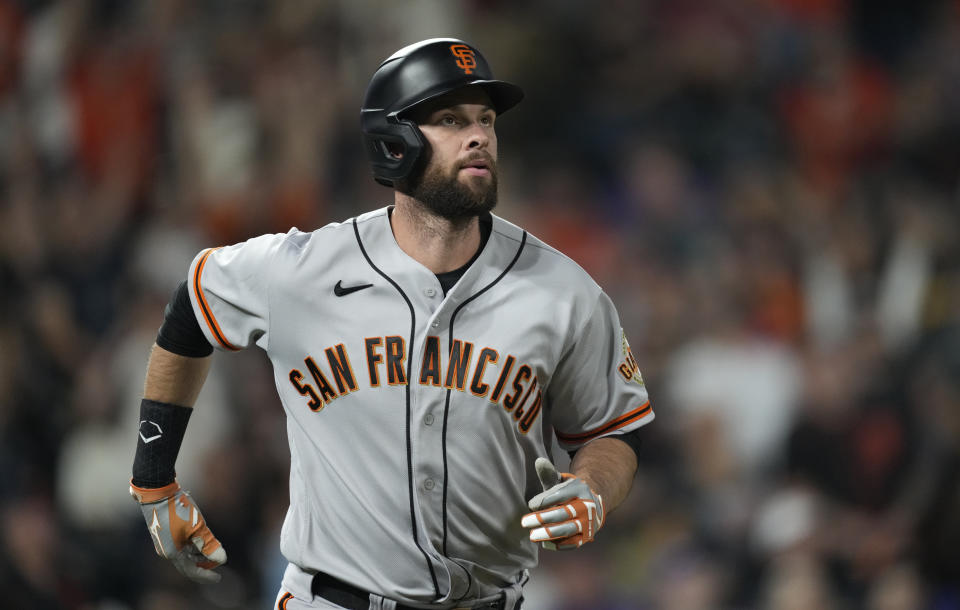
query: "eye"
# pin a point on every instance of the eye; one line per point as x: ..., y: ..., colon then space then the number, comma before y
x: 448, y: 120
x: 486, y: 120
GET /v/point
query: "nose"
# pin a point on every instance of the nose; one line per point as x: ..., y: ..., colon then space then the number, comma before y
x: 478, y: 138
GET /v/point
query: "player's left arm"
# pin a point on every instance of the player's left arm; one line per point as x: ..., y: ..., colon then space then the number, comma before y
x: 608, y: 466
x: 605, y: 406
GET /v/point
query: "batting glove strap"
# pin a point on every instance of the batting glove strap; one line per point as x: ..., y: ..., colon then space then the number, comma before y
x: 149, y: 496
x: 179, y: 531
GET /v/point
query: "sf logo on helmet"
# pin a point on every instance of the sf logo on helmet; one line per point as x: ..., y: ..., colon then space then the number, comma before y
x: 465, y: 59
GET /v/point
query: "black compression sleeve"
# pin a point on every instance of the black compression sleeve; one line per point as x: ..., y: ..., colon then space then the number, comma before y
x: 632, y: 438
x: 162, y: 426
x: 181, y: 332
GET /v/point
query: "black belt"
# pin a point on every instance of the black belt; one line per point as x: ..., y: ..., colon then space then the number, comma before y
x: 355, y: 598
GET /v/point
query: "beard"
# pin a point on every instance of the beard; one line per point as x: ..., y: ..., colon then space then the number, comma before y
x: 442, y: 193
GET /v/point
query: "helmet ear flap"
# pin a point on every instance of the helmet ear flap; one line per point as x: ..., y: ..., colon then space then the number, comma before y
x: 395, y: 153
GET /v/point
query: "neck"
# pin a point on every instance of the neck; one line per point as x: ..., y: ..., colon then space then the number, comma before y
x: 437, y: 243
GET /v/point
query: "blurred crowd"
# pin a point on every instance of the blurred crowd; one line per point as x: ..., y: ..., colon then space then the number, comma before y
x: 768, y: 189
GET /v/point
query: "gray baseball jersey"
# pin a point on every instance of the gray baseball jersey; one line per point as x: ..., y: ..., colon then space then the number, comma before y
x: 414, y: 419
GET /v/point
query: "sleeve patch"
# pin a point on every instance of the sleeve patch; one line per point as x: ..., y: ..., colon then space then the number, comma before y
x: 628, y: 368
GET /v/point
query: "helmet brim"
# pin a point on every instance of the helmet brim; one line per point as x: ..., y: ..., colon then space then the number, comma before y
x: 504, y: 95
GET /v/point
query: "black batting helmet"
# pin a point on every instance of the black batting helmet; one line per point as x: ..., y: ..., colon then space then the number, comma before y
x: 411, y: 76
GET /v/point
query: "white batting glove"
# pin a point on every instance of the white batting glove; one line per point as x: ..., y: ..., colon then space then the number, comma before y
x: 568, y: 513
x: 179, y: 531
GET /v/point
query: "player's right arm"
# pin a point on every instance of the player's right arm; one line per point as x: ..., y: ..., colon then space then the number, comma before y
x: 222, y: 304
x: 176, y: 372
x: 173, y: 378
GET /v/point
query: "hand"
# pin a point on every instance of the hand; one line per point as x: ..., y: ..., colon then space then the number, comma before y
x: 179, y: 531
x: 569, y: 513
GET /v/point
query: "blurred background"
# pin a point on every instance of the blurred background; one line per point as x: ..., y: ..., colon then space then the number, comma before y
x: 768, y: 189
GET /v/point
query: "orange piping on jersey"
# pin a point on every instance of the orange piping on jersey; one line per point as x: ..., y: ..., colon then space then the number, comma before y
x: 616, y: 424
x: 205, y: 308
x: 283, y: 601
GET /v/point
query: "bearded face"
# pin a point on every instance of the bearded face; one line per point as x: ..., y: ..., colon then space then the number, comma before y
x: 454, y: 193
x: 458, y: 179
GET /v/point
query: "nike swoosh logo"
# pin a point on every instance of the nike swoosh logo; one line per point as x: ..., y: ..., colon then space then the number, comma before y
x: 340, y: 291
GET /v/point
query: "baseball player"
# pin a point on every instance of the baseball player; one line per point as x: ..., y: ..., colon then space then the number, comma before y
x: 429, y: 356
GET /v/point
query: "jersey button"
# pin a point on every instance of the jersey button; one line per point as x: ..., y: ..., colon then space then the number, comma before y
x: 428, y: 419
x: 428, y: 484
x: 430, y: 292
x: 435, y: 324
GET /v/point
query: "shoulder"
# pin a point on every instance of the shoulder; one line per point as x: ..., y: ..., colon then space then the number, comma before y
x: 550, y: 268
x: 330, y: 239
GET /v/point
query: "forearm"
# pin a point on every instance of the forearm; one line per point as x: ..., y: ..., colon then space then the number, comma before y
x: 172, y: 385
x: 174, y: 379
x: 175, y: 523
x: 608, y: 466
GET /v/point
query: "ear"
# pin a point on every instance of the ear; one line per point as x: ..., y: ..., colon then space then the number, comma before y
x: 394, y: 149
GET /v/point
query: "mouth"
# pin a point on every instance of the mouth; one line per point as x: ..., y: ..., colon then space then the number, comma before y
x: 477, y: 167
